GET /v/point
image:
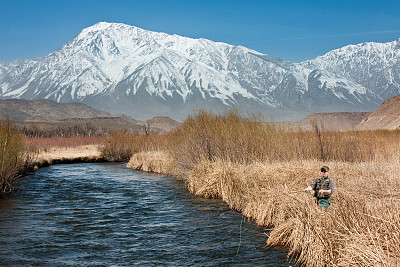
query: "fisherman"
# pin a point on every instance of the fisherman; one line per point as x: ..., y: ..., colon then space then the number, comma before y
x: 323, y: 188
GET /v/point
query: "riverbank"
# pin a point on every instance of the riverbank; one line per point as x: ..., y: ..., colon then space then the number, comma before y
x: 360, y: 228
x: 55, y: 155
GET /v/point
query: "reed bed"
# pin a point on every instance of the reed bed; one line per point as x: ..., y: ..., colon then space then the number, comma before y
x: 359, y: 228
x: 261, y: 170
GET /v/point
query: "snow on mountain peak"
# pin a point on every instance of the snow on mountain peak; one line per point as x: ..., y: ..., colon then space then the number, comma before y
x: 371, y: 65
x: 123, y: 68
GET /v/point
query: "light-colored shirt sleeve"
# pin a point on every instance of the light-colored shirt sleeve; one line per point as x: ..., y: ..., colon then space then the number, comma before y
x: 332, y: 186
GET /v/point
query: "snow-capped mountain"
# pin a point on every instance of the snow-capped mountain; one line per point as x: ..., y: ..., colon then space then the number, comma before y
x: 125, y: 69
x: 375, y: 66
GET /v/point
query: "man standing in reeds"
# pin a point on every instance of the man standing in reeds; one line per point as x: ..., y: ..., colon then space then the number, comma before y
x: 323, y: 188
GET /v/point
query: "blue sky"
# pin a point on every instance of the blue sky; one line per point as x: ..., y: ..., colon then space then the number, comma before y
x: 291, y: 30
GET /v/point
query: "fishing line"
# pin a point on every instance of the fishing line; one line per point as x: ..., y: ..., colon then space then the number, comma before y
x: 240, y: 238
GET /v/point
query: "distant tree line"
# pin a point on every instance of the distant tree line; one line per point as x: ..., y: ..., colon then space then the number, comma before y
x: 77, y: 130
x: 81, y: 130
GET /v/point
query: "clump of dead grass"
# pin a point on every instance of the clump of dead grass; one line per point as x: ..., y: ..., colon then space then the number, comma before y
x: 152, y: 161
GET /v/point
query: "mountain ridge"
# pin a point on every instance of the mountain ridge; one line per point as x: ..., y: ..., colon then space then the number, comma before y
x: 45, y: 110
x: 48, y: 114
x: 125, y: 69
x: 331, y: 121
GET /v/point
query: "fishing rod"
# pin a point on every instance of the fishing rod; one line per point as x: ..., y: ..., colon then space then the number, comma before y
x: 240, y: 234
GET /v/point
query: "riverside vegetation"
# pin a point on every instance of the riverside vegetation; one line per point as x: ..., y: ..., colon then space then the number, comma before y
x: 15, y: 157
x: 20, y: 153
x: 261, y: 169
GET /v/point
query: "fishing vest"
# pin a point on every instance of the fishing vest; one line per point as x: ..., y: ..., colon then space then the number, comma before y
x: 324, y: 185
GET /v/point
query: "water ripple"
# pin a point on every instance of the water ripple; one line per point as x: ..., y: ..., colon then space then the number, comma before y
x: 107, y: 215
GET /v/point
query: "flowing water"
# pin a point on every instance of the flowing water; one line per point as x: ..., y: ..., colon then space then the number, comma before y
x: 107, y: 215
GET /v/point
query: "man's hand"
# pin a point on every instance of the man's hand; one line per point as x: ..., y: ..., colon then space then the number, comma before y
x: 326, y: 192
x: 308, y: 189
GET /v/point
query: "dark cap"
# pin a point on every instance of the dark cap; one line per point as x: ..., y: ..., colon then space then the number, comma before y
x: 325, y: 169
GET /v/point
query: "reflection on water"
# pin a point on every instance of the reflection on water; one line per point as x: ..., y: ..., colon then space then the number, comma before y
x: 105, y: 214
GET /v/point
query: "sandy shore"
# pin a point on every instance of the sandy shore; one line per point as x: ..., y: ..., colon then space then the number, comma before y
x: 69, y: 153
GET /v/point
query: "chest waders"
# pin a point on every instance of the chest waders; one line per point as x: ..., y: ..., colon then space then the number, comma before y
x: 324, y: 200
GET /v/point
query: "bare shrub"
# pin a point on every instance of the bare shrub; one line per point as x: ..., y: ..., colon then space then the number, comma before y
x: 15, y: 158
x: 121, y: 147
x: 229, y: 137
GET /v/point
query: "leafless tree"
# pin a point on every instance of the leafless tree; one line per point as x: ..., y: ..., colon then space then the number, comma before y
x: 146, y: 126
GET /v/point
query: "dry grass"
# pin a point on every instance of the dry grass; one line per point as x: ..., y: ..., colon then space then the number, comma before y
x: 247, y: 140
x: 47, y: 144
x: 152, y: 161
x: 58, y: 153
x: 65, y: 149
x: 359, y: 228
x: 261, y: 171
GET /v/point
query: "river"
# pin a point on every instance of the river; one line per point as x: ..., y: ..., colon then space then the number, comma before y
x: 103, y: 214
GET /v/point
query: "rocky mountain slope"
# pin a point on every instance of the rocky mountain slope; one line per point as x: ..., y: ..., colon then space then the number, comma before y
x: 336, y: 121
x: 45, y: 109
x: 375, y: 66
x: 125, y: 69
x: 387, y: 116
x: 161, y: 124
x: 48, y: 115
